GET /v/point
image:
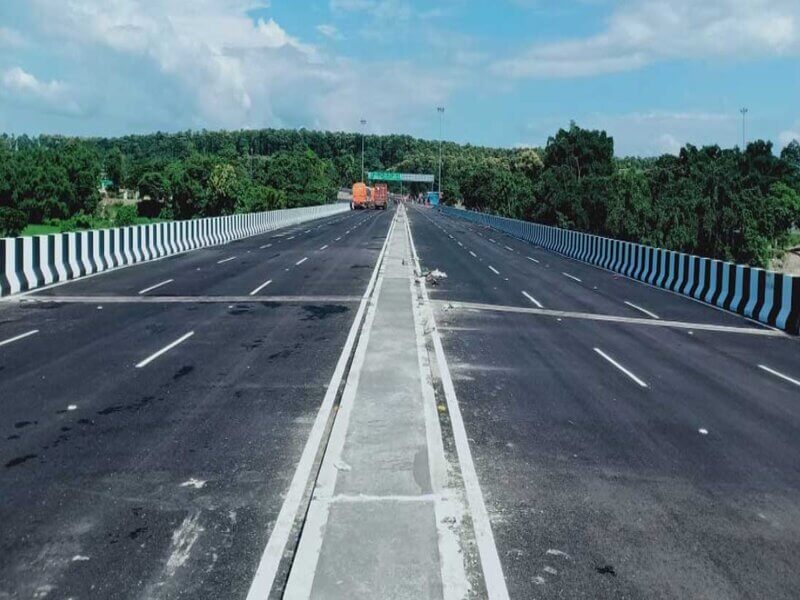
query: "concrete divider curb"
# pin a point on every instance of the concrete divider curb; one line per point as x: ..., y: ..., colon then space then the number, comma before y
x: 765, y: 296
x: 27, y: 263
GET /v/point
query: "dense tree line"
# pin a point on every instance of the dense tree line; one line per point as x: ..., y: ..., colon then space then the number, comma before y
x: 727, y: 203
x: 724, y: 203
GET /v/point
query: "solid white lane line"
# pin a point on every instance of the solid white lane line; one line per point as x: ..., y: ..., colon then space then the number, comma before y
x: 152, y: 287
x: 768, y: 370
x: 261, y: 287
x: 19, y: 337
x: 473, y: 254
x: 324, y: 247
x: 495, y: 271
x: 267, y: 570
x: 621, y: 368
x: 532, y: 259
x: 224, y: 260
x: 572, y: 277
x: 532, y: 299
x: 301, y: 261
x: 264, y: 246
x: 509, y: 249
x: 487, y: 549
x: 165, y: 349
x: 644, y: 310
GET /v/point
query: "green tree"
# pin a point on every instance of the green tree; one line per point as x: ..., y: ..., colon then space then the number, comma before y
x: 12, y: 221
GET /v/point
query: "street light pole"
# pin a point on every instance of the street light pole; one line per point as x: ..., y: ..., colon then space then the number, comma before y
x: 744, y: 112
x: 363, y: 133
x: 440, y: 110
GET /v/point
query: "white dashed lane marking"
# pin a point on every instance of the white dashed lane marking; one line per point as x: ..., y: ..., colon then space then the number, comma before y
x: 532, y: 299
x: 778, y: 374
x: 621, y: 368
x: 153, y: 287
x: 19, y: 337
x: 164, y: 350
x: 643, y: 310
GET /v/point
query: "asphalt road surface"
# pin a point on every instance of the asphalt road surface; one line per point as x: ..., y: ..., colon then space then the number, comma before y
x: 618, y: 459
x: 302, y: 406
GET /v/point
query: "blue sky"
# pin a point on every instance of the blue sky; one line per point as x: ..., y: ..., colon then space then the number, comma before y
x: 655, y: 74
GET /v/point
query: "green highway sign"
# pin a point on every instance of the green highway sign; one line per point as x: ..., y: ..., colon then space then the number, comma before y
x: 391, y: 176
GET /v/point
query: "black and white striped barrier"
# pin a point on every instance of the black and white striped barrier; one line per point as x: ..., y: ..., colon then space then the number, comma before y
x: 27, y: 263
x: 768, y: 297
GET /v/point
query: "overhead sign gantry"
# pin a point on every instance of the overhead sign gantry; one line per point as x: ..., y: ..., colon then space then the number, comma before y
x: 404, y: 177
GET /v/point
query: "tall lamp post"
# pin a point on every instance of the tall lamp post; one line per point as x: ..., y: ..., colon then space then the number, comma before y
x: 440, y: 110
x: 744, y: 112
x: 363, y: 133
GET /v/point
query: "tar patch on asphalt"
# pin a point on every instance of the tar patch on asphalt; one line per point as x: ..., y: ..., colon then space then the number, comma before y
x: 606, y: 570
x: 19, y: 460
x: 319, y: 313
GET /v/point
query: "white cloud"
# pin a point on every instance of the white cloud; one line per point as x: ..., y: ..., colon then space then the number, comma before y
x: 24, y: 88
x: 11, y: 38
x: 787, y: 137
x: 383, y: 10
x: 19, y: 81
x: 653, y: 132
x: 330, y: 31
x: 641, y: 32
x: 208, y: 63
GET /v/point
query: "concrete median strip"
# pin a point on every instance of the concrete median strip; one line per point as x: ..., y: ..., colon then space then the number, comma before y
x: 388, y: 516
x: 382, y: 521
x: 293, y: 506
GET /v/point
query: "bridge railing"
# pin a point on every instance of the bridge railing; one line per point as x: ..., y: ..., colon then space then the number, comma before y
x: 765, y: 296
x: 27, y: 263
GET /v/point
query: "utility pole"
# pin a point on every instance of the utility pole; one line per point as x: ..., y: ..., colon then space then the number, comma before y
x: 363, y: 133
x: 440, y: 110
x: 744, y: 112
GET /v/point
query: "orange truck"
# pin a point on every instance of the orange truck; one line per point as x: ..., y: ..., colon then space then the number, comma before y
x: 360, y: 196
x: 380, y: 196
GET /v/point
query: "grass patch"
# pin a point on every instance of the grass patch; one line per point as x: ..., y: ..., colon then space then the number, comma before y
x: 40, y: 230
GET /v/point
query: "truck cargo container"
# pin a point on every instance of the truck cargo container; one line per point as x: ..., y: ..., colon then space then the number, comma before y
x: 360, y: 196
x: 380, y: 196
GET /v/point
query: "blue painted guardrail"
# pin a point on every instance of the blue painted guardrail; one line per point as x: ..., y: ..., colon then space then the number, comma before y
x: 768, y: 297
x: 27, y: 263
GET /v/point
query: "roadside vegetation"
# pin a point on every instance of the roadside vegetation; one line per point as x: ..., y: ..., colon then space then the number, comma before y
x: 732, y: 204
